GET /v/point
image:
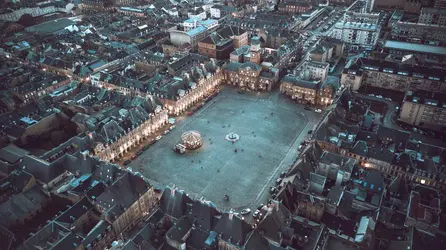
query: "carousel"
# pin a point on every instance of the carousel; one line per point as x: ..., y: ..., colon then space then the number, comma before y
x: 191, y: 140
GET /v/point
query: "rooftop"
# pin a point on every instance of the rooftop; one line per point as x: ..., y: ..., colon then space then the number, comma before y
x: 412, y: 47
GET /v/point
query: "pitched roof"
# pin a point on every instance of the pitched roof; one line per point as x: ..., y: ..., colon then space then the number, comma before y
x: 204, y: 213
x: 12, y: 153
x: 121, y: 195
x: 74, y: 212
x: 21, y: 205
x: 256, y: 241
x: 276, y: 219
x: 174, y: 202
x: 232, y: 229
x: 295, y: 80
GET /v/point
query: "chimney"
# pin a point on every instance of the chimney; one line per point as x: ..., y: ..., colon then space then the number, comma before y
x: 84, y: 155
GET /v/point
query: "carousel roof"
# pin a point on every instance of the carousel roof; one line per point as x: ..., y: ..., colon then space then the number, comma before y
x: 191, y: 136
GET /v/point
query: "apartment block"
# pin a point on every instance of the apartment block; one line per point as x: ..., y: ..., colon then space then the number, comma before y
x: 424, y: 109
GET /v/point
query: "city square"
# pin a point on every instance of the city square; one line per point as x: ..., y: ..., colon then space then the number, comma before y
x: 267, y: 124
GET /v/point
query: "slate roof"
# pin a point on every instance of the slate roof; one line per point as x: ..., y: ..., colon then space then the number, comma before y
x: 121, y: 195
x: 204, y: 214
x: 256, y: 241
x: 18, y: 179
x: 50, y: 26
x: 251, y: 66
x: 174, y: 202
x: 74, y: 213
x: 101, y: 227
x: 295, y: 80
x: 417, y: 71
x: 52, y: 236
x: 145, y: 237
x: 276, y: 219
x: 232, y: 229
x: 6, y: 238
x: 360, y: 148
x: 223, y: 36
x: 347, y: 164
x: 197, y: 238
x: 399, y: 185
x: 336, y: 223
x: 21, y: 205
x: 180, y: 229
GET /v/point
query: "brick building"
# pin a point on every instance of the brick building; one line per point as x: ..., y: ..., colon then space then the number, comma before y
x: 221, y: 43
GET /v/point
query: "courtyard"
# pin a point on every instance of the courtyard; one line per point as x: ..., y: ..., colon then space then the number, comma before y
x: 270, y: 129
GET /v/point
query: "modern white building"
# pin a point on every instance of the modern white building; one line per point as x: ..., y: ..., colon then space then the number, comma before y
x: 198, y: 15
x: 216, y: 12
x: 40, y: 9
x: 358, y: 35
x: 193, y: 32
x: 193, y: 23
x: 317, y: 70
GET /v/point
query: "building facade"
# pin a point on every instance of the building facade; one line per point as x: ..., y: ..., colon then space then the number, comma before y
x: 418, y: 32
x: 394, y: 76
x: 424, y: 109
x: 221, y: 43
x: 294, y: 7
x: 250, y: 76
x: 357, y: 35
x: 432, y: 16
x: 311, y: 92
x: 117, y: 148
x: 192, y: 36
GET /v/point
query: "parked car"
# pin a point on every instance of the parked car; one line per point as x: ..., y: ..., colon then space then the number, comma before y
x: 145, y: 147
x: 272, y: 190
x: 166, y: 132
x: 389, y: 99
x: 372, y: 95
x: 139, y: 152
x: 158, y: 137
x: 318, y: 111
x: 278, y: 181
x: 300, y: 147
x: 172, y: 127
x: 245, y: 211
x: 307, y: 108
x: 257, y: 214
x: 133, y: 157
x: 310, y: 132
x: 282, y: 174
x: 126, y: 162
x: 379, y: 96
x: 260, y: 207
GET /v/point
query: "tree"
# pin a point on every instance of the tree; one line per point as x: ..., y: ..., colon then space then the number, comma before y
x: 26, y: 20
